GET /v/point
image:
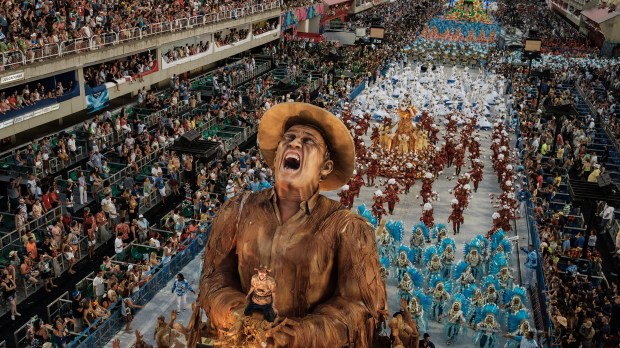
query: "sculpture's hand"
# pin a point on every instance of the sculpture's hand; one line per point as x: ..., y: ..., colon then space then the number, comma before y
x: 282, y: 334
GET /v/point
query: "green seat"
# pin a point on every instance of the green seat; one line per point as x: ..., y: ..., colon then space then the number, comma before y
x: 90, y: 291
x: 136, y: 255
x: 115, y: 191
x: 73, y: 176
x: 188, y: 212
x: 8, y: 222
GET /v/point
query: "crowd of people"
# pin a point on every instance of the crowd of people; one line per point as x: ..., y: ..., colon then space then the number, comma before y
x: 269, y: 25
x: 131, y: 68
x: 230, y: 36
x: 115, y: 211
x: 180, y: 52
x: 34, y: 28
x: 13, y: 99
x: 583, y: 306
x: 558, y: 36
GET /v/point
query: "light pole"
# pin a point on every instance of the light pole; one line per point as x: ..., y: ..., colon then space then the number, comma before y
x: 532, y: 47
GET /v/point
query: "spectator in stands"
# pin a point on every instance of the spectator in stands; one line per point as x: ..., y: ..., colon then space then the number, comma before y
x: 77, y: 310
x: 119, y: 246
x: 69, y: 255
x: 27, y: 272
x: 9, y: 291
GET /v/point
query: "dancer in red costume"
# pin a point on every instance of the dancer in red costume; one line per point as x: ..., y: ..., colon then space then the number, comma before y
x: 476, y: 173
x: 372, y: 171
x: 409, y: 177
x: 437, y: 162
x: 346, y: 197
x: 427, y: 216
x: 377, y: 207
x: 426, y: 191
x: 449, y: 150
x: 391, y: 195
x: 456, y: 217
x: 459, y: 158
x: 375, y: 137
x: 356, y: 183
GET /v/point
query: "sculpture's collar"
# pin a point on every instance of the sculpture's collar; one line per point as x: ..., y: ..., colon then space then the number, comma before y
x: 306, y: 206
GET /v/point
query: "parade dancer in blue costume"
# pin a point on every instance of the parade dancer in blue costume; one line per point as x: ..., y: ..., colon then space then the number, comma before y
x: 474, y: 258
x: 490, y: 286
x: 519, y: 327
x: 463, y: 276
x: 498, y: 267
x: 420, y: 234
x: 500, y: 245
x: 488, y: 328
x: 447, y: 251
x: 515, y: 305
x: 403, y: 262
x: 476, y: 303
x: 411, y: 280
x: 385, y: 241
x: 433, y: 263
x: 440, y: 232
x: 385, y: 268
x: 455, y: 325
x: 420, y: 304
x: 439, y: 290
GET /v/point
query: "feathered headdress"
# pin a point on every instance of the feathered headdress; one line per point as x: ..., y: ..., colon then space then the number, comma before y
x: 396, y: 230
x: 429, y: 252
x: 460, y: 268
x: 447, y: 285
x: 497, y: 263
x: 416, y: 277
x: 445, y: 242
x: 488, y: 281
x: 490, y: 308
x: 420, y: 225
x: 408, y: 251
x: 514, y: 320
x: 464, y: 301
x: 438, y: 228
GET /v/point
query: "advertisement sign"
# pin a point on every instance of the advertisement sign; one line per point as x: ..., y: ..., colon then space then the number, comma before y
x: 12, y: 78
x: 97, y: 101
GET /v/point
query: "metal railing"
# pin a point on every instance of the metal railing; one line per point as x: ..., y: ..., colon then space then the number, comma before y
x: 8, y: 238
x: 14, y: 59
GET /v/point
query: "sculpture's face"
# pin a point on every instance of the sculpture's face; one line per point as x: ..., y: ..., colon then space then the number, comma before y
x: 489, y: 319
x: 300, y: 159
x: 456, y: 306
x: 407, y: 277
x: 262, y: 275
x: 402, y: 255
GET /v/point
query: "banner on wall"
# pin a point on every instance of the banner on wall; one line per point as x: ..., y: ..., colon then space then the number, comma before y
x: 97, y: 101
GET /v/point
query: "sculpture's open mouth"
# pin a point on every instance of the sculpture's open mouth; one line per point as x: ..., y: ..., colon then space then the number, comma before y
x: 292, y: 161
